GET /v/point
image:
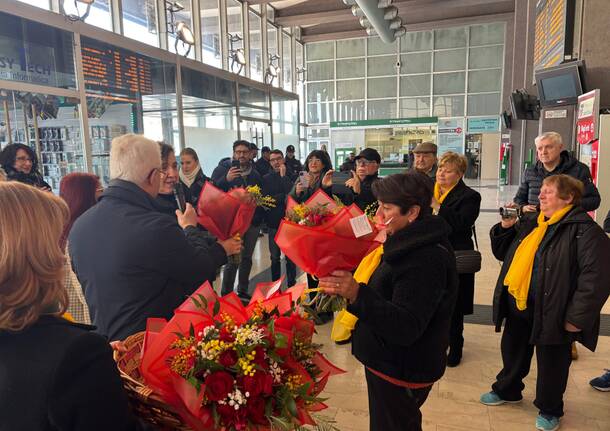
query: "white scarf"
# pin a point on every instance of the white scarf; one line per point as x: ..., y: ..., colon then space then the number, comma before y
x: 189, y: 179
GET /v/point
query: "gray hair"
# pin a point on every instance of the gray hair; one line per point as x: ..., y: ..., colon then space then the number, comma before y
x: 133, y: 157
x: 554, y: 137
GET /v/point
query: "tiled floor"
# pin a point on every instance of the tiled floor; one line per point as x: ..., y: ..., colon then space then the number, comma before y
x: 453, y: 403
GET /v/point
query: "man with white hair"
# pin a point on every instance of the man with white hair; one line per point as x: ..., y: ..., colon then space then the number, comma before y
x: 554, y: 160
x: 133, y: 261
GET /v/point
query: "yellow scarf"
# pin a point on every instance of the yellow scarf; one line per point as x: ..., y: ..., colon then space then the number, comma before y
x: 437, y: 192
x: 519, y: 275
x: 345, y: 322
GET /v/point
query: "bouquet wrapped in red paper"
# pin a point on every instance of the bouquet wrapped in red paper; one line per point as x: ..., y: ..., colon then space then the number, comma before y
x: 319, y: 237
x: 223, y: 366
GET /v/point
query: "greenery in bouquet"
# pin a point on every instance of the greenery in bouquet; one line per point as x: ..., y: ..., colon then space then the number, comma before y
x: 255, y: 375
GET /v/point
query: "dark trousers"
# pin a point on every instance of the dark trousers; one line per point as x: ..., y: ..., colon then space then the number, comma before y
x: 456, y: 331
x: 276, y: 262
x: 245, y: 266
x: 394, y: 408
x: 553, y: 363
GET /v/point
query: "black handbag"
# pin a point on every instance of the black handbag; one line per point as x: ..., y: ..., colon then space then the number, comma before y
x: 468, y: 261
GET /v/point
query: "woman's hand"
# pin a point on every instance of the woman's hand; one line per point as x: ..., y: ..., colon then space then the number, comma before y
x: 340, y: 283
x: 231, y: 246
x: 571, y: 328
x: 354, y: 183
x: 507, y: 223
x: 299, y: 189
x: 327, y: 180
x: 118, y: 346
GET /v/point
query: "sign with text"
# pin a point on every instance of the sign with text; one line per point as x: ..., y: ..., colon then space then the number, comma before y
x: 450, y: 135
x: 587, y: 118
x: 484, y: 125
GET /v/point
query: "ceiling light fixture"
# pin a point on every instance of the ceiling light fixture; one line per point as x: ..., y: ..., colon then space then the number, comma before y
x: 77, y: 16
x: 273, y: 70
x: 395, y: 24
x: 356, y: 11
x: 381, y: 15
x: 390, y: 12
x: 179, y: 29
x: 236, y: 55
x: 400, y: 32
x: 384, y: 3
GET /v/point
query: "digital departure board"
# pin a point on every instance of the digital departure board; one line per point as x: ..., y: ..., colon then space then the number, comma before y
x: 552, y: 32
x: 114, y: 73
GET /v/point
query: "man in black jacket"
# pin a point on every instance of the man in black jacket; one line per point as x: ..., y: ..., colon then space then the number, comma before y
x: 262, y: 165
x: 277, y: 184
x: 226, y: 176
x: 133, y: 261
x: 425, y: 160
x: 554, y: 160
x: 293, y: 165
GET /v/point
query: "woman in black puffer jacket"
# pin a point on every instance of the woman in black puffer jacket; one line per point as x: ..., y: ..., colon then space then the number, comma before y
x: 21, y: 164
x: 404, y: 308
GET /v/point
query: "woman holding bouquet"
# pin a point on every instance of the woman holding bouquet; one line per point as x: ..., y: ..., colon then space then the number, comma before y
x: 54, y: 374
x: 403, y: 299
x: 317, y: 175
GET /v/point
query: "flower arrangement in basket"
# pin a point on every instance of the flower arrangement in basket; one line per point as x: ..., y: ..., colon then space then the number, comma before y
x: 217, y: 365
x: 318, y: 236
x: 229, y: 214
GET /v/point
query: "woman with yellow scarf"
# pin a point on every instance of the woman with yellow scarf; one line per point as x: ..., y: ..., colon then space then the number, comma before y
x: 550, y: 292
x: 402, y: 296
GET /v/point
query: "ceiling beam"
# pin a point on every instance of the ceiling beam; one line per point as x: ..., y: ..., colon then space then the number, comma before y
x: 333, y: 36
x: 315, y: 18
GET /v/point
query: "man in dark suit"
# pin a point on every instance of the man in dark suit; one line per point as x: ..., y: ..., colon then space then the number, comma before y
x: 262, y: 165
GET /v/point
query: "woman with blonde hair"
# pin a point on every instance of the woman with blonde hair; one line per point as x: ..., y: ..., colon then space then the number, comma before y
x: 54, y: 374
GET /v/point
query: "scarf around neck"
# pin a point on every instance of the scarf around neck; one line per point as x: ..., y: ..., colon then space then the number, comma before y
x: 189, y: 179
x: 519, y: 275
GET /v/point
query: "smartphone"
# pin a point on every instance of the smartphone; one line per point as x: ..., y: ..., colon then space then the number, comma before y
x: 235, y: 164
x: 304, y: 178
x: 339, y: 178
x: 179, y: 195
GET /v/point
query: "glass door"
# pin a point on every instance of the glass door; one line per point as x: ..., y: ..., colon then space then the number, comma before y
x: 257, y: 132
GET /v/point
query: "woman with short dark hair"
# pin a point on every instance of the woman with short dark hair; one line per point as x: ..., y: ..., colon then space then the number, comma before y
x: 403, y: 294
x: 20, y: 163
x: 551, y: 289
x: 319, y: 167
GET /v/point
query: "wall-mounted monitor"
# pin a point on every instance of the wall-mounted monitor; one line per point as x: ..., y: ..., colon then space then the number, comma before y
x: 561, y: 85
x: 524, y: 106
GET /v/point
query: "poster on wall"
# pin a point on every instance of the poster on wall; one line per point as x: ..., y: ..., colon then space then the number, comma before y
x: 450, y: 135
x: 587, y: 118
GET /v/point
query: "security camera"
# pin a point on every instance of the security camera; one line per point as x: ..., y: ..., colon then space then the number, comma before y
x: 398, y: 64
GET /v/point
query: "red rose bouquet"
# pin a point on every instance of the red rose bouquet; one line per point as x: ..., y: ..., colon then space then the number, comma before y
x: 223, y: 366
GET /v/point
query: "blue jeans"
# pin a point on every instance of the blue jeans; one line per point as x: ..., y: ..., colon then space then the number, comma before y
x: 276, y: 262
x: 228, y: 277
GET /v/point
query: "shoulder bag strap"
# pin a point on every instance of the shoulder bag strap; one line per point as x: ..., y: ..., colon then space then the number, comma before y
x: 474, y: 233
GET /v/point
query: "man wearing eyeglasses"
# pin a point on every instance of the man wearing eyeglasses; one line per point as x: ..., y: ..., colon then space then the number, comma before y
x: 367, y: 172
x: 239, y: 172
x: 277, y: 183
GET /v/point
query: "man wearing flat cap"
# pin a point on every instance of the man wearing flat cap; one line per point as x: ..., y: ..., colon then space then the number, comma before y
x: 425, y: 159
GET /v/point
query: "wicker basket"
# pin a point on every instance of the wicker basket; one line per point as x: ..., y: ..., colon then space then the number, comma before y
x: 144, y: 402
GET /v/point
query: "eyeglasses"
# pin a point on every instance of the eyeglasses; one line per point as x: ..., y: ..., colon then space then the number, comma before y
x: 23, y: 159
x: 276, y: 159
x: 238, y: 152
x: 364, y: 162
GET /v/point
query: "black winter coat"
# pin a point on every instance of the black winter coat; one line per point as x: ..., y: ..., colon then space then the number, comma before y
x: 573, y: 280
x: 134, y: 262
x: 607, y: 223
x: 277, y: 187
x: 219, y: 178
x: 534, y: 175
x: 293, y: 167
x: 404, y: 312
x: 263, y: 167
x: 59, y: 376
x: 460, y: 210
x: 192, y: 193
x: 34, y: 178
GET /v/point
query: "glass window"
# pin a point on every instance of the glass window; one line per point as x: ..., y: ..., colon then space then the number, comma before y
x: 350, y: 111
x: 270, y: 13
x: 253, y: 102
x: 210, y: 32
x: 448, y: 106
x: 35, y: 53
x: 286, y: 61
x: 320, y: 71
x: 234, y: 28
x: 140, y: 21
x: 99, y: 13
x: 484, y: 104
x: 485, y: 57
x: 320, y: 51
x: 480, y: 81
x: 486, y: 34
x: 319, y: 113
x: 272, y: 39
x: 256, y: 48
x: 44, y: 4
x: 415, y: 107
x: 350, y: 89
x: 378, y: 46
x: 350, y: 48
x: 381, y: 87
x: 285, y: 122
x: 415, y: 85
x: 381, y: 109
x: 450, y: 38
x: 454, y: 59
x: 352, y: 68
x: 379, y: 66
x: 449, y: 83
x: 320, y: 91
x: 416, y: 41
x: 420, y: 62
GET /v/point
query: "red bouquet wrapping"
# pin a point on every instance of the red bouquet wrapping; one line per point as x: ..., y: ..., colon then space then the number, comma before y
x: 223, y: 366
x: 318, y: 237
x: 225, y: 214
